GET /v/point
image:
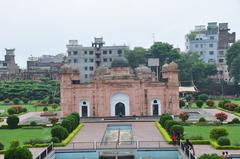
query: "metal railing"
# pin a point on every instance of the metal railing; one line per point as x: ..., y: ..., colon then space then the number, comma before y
x: 45, y: 152
x: 187, y: 151
x: 118, y: 145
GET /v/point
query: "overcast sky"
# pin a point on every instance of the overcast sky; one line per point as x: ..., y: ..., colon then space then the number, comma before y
x: 36, y: 27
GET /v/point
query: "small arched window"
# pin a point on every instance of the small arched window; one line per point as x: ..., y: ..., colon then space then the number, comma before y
x: 84, y: 103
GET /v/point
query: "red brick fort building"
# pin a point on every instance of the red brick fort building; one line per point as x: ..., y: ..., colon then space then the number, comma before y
x: 121, y: 91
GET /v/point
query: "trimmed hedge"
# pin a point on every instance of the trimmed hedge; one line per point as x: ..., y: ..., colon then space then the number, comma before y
x: 164, y: 133
x: 70, y: 136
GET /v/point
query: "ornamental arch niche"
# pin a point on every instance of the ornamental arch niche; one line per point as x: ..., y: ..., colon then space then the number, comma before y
x: 120, y: 104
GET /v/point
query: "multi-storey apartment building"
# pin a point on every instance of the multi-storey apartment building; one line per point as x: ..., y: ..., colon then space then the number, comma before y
x: 45, y: 66
x: 211, y: 43
x: 88, y: 59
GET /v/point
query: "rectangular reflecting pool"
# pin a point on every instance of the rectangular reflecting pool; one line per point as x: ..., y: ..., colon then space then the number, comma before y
x: 121, y: 133
x: 122, y: 154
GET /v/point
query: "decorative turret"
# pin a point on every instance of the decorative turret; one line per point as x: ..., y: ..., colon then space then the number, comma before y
x: 69, y: 75
x: 170, y: 72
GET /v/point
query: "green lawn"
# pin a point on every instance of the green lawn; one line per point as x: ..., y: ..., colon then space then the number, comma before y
x: 204, y: 131
x: 22, y: 135
x: 30, y: 108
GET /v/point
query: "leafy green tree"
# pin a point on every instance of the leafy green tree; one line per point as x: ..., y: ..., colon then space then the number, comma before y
x: 136, y: 56
x: 232, y: 53
x: 165, y: 52
x: 235, y: 69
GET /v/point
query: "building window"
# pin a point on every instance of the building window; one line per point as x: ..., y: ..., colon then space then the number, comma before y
x: 196, y: 45
x: 211, y: 52
x: 91, y: 68
x: 86, y: 75
x: 210, y: 45
x: 221, y: 53
x: 90, y: 52
x: 110, y: 51
x: 69, y: 61
x: 105, y: 60
x: 119, y: 52
x: 85, y: 68
x: 221, y: 60
x: 212, y: 37
x: 75, y: 52
x: 201, y: 45
x: 85, y: 52
x: 5, y: 64
x: 69, y: 52
x: 104, y: 52
x: 75, y: 61
x: 110, y: 59
x: 91, y: 60
x: 201, y: 53
x: 85, y: 60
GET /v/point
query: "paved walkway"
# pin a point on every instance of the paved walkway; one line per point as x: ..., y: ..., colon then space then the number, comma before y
x: 214, y: 111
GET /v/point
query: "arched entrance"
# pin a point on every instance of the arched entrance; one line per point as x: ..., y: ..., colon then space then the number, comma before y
x: 155, y: 107
x: 120, y: 109
x: 120, y: 104
x: 84, y: 109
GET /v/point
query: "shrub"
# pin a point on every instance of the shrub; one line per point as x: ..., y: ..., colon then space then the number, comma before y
x: 25, y: 100
x: 221, y: 116
x: 202, y: 120
x: 235, y: 121
x: 1, y: 146
x: 14, y: 144
x: 237, y: 109
x: 177, y: 129
x: 6, y: 101
x: 216, y: 133
x: 203, y: 97
x: 223, y: 141
x: 184, y: 116
x: 24, y: 110
x: 33, y: 123
x: 210, y: 156
x: 196, y: 137
x: 181, y: 103
x: 11, y: 111
x: 66, y: 123
x: 163, y: 118
x: 188, y: 98
x: 169, y: 124
x: 55, y: 140
x: 16, y: 100
x: 77, y: 116
x: 230, y: 106
x: 54, y: 106
x: 210, y: 103
x: 45, y: 109
x: 53, y: 120
x: 18, y: 153
x: 37, y: 141
x: 60, y: 132
x: 199, y: 103
x: 12, y: 121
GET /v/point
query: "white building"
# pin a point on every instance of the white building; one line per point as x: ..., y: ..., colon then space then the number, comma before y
x: 88, y: 59
x: 211, y: 43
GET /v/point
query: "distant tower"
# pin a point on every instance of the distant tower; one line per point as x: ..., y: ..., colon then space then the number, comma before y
x: 98, y: 44
x: 10, y: 60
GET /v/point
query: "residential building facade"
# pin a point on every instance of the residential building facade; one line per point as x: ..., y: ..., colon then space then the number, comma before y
x: 88, y: 59
x: 211, y: 43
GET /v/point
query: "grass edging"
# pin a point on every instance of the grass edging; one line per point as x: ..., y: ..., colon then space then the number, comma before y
x: 216, y: 146
x: 164, y: 133
x: 72, y: 134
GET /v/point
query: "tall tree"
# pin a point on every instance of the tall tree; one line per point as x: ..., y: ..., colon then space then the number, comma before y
x: 232, y: 53
x: 136, y: 56
x: 165, y: 52
x: 235, y: 69
x: 192, y: 68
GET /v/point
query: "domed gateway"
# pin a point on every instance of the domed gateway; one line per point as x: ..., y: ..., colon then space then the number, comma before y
x: 121, y: 91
